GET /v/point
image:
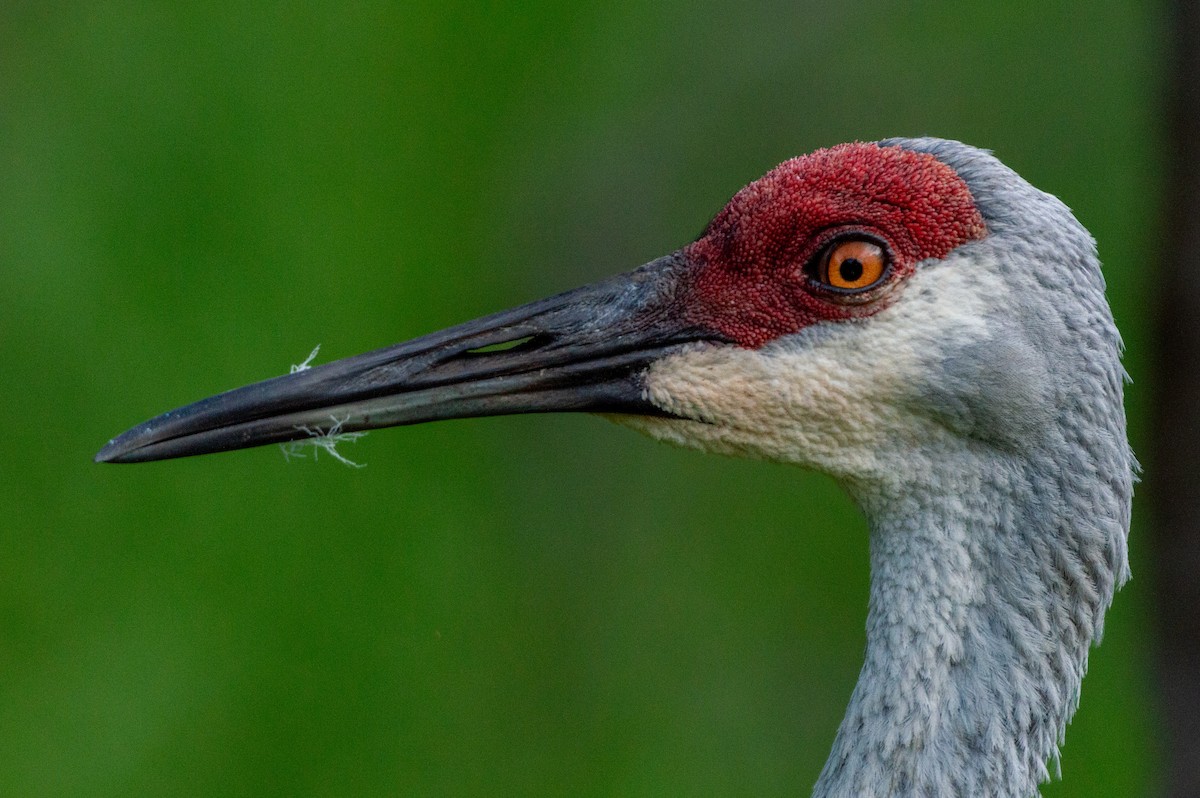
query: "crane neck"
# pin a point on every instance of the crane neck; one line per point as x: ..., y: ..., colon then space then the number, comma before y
x: 984, y: 600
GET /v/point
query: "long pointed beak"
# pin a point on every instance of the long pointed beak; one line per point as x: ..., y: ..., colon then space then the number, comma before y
x: 583, y: 350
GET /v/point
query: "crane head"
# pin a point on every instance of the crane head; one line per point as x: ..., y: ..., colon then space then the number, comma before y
x: 848, y: 307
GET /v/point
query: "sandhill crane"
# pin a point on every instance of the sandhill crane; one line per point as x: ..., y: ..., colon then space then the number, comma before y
x: 909, y: 316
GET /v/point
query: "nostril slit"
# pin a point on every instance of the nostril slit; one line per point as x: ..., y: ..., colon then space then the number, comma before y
x: 505, y: 346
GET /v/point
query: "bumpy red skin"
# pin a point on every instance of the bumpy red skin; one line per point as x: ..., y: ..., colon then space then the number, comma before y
x: 748, y: 278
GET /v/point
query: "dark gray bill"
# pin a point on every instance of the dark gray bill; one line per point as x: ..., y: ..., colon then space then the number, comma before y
x: 584, y: 350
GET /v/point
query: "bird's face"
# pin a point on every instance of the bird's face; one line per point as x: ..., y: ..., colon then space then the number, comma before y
x: 800, y: 326
x: 821, y: 277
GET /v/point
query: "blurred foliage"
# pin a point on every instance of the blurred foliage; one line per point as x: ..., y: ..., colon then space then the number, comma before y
x: 192, y: 196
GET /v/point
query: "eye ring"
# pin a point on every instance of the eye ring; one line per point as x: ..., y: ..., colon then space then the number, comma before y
x: 851, y: 264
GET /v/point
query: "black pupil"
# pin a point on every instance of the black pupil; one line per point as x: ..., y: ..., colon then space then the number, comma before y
x: 850, y: 269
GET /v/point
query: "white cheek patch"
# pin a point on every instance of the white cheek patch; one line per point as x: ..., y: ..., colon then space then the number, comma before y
x: 841, y: 397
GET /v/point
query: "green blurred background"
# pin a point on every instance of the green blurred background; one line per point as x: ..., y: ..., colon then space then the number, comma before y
x: 191, y: 198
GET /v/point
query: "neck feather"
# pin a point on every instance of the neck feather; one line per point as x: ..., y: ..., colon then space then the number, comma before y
x: 984, y: 601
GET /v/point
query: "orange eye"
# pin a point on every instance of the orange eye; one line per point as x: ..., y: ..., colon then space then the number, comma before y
x: 853, y: 264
